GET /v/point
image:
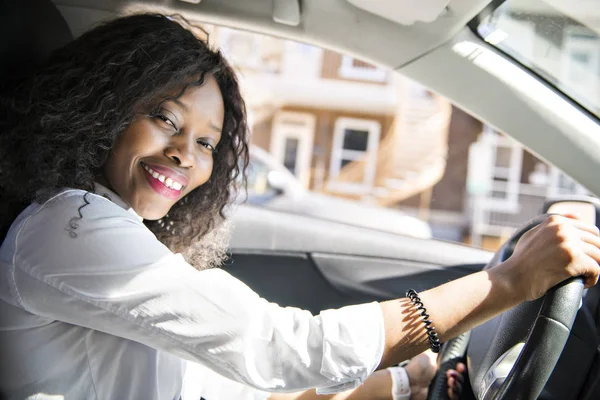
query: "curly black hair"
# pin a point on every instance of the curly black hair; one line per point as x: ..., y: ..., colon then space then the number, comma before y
x: 58, y: 128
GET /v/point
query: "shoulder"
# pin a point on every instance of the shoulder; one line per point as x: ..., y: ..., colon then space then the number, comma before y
x: 77, y: 225
x: 76, y: 203
x: 75, y: 210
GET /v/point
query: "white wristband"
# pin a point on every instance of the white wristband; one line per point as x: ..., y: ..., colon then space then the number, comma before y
x: 400, y: 383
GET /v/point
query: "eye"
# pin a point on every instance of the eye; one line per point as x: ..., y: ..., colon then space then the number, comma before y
x: 206, y: 145
x: 164, y: 119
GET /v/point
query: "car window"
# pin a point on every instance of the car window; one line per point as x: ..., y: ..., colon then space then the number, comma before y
x: 367, y: 146
x: 557, y: 39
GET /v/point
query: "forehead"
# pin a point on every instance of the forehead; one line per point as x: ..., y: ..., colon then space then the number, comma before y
x: 204, y: 101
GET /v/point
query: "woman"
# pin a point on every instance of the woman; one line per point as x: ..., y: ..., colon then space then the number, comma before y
x: 122, y: 151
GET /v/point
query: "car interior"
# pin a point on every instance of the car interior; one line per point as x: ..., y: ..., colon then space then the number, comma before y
x: 548, y: 349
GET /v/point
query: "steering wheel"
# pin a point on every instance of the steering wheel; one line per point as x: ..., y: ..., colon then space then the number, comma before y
x: 513, y: 355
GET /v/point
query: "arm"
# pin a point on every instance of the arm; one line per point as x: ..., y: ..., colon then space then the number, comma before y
x: 377, y: 387
x: 553, y: 251
x: 387, y: 384
x: 202, y: 382
x: 454, y: 307
x: 115, y: 277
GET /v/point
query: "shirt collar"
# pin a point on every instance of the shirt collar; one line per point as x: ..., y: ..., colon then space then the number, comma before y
x: 105, y: 192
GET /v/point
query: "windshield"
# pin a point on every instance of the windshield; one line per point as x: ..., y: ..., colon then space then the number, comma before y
x: 557, y: 39
x: 333, y: 137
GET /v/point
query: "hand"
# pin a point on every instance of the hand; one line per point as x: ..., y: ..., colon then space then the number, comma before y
x: 420, y: 370
x: 455, y: 381
x: 558, y: 248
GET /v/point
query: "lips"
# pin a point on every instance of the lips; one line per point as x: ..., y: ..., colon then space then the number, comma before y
x: 165, y: 181
x: 168, y: 173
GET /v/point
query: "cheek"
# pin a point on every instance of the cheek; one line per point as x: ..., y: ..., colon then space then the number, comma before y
x: 203, y: 170
x: 207, y: 167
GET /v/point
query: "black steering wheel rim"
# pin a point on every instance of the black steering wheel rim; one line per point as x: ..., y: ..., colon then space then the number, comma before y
x: 553, y: 318
x: 536, y: 332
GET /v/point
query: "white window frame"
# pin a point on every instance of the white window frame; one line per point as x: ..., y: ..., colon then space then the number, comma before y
x: 301, y: 126
x: 483, y: 203
x: 338, y: 153
x: 350, y: 71
x: 512, y: 173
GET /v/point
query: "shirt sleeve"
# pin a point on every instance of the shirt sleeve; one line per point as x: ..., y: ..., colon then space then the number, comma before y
x: 114, y: 276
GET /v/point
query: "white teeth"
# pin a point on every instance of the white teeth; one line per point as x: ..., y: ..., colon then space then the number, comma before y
x: 168, y: 182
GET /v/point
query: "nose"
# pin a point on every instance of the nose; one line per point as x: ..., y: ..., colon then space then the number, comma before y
x: 181, y: 150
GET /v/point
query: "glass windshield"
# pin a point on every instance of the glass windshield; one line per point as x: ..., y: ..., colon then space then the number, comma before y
x: 557, y: 39
x: 344, y: 141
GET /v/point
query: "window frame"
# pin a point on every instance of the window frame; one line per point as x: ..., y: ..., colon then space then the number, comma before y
x: 474, y: 26
x: 304, y: 130
x: 338, y: 153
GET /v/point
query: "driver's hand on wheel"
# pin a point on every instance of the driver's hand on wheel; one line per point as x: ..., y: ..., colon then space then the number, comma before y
x: 559, y: 248
x: 421, y: 370
x: 455, y: 381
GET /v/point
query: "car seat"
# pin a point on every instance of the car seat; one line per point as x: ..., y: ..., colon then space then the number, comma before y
x: 31, y: 31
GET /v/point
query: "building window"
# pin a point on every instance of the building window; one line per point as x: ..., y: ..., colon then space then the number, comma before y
x: 507, y: 162
x: 292, y: 142
x: 352, y: 68
x: 354, y: 140
x: 290, y: 154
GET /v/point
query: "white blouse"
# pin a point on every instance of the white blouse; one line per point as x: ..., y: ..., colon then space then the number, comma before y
x: 106, y: 311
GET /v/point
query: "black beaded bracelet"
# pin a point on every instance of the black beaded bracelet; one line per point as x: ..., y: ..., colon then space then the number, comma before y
x: 434, y: 340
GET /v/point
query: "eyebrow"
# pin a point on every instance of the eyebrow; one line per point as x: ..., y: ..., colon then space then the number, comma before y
x: 215, y: 128
x: 179, y: 103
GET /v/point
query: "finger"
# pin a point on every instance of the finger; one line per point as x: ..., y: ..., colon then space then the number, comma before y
x: 577, y: 223
x: 452, y: 373
x: 585, y: 226
x: 591, y: 281
x: 451, y: 381
x: 461, y: 368
x: 591, y: 277
x: 451, y: 394
x: 451, y: 391
x: 590, y: 270
x: 457, y: 388
x: 454, y: 388
x: 592, y: 251
x: 591, y: 239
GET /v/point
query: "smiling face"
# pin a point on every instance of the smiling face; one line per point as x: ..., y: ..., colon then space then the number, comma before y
x: 161, y: 157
